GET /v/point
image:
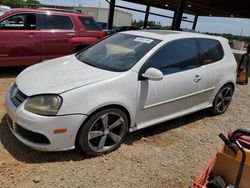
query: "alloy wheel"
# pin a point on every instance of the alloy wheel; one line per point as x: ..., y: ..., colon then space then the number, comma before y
x: 106, y: 132
x: 224, y: 99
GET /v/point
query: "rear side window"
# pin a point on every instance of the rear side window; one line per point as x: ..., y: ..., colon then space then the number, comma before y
x: 89, y: 23
x: 176, y: 56
x: 19, y: 22
x: 211, y: 51
x: 56, y: 22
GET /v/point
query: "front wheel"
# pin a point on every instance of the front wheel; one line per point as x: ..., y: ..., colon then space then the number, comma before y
x: 103, y: 132
x: 222, y: 100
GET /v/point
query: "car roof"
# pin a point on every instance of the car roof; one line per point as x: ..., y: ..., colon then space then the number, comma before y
x: 167, y: 35
x: 47, y: 11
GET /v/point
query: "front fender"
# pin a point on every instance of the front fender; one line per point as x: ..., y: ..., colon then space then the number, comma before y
x: 120, y: 91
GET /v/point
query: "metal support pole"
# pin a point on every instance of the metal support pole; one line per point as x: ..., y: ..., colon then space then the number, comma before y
x: 195, y: 21
x: 145, y: 24
x: 178, y: 15
x: 111, y: 14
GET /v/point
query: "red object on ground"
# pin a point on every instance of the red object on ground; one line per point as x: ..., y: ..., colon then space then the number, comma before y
x: 202, y: 180
x: 243, y: 139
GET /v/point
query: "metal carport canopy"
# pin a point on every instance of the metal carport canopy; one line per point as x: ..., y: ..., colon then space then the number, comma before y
x: 220, y: 8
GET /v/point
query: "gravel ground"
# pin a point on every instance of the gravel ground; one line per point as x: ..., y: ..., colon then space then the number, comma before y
x: 171, y: 154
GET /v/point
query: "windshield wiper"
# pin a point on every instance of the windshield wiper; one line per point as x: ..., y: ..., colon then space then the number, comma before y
x: 86, y: 61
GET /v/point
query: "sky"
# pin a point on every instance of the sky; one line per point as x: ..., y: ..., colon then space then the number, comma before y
x: 234, y: 26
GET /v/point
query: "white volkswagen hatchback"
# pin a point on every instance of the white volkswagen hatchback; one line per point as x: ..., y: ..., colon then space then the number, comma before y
x: 123, y: 83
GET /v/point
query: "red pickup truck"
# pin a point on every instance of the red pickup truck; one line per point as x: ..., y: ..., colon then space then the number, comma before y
x: 29, y: 36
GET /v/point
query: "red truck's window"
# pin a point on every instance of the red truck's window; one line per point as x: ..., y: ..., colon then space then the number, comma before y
x: 89, y: 23
x: 19, y: 22
x: 56, y: 22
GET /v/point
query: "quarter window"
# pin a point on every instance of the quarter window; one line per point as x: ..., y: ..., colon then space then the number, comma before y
x: 89, y: 23
x: 56, y: 22
x: 19, y: 22
x: 211, y: 51
x: 175, y: 57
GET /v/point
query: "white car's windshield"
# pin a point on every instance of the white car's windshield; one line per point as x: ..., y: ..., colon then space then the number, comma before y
x: 117, y: 53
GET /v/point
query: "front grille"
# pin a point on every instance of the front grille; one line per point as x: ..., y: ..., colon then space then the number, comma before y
x: 16, y: 96
x: 31, y: 136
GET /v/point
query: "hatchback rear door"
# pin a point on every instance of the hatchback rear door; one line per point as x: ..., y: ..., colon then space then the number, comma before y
x: 20, y: 40
x: 56, y: 32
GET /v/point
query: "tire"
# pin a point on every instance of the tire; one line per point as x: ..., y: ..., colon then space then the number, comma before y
x: 222, y: 100
x: 103, y: 132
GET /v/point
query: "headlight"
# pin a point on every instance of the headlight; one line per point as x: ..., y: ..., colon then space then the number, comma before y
x: 47, y: 105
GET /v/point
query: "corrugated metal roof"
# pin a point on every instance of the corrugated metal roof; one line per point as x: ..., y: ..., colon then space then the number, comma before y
x: 221, y: 8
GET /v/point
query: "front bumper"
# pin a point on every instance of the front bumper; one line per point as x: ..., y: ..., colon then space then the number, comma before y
x: 37, y: 131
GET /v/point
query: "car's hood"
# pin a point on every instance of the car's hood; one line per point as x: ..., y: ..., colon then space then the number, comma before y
x: 59, y: 75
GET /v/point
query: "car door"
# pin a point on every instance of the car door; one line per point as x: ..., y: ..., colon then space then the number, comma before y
x: 176, y: 93
x: 56, y: 34
x: 20, y: 40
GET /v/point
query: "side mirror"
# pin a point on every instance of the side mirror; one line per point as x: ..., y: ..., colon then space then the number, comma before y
x: 153, y: 74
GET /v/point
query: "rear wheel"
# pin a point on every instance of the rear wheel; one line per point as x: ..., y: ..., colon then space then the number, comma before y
x: 103, y: 132
x: 222, y: 100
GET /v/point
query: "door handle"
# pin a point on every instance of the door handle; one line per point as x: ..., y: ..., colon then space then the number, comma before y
x: 70, y: 35
x: 31, y: 35
x: 197, y: 78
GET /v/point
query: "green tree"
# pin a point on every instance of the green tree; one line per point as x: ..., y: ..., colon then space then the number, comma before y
x: 11, y: 3
x: 232, y: 37
x: 136, y: 23
x: 152, y: 24
x: 16, y: 3
x: 32, y: 2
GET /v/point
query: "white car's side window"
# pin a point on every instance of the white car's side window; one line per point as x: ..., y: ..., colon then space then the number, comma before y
x: 176, y: 56
x: 211, y: 51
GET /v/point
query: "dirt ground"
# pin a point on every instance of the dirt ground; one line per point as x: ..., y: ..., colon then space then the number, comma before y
x: 171, y: 154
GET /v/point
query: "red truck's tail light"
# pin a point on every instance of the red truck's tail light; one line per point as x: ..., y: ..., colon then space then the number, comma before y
x: 101, y: 35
